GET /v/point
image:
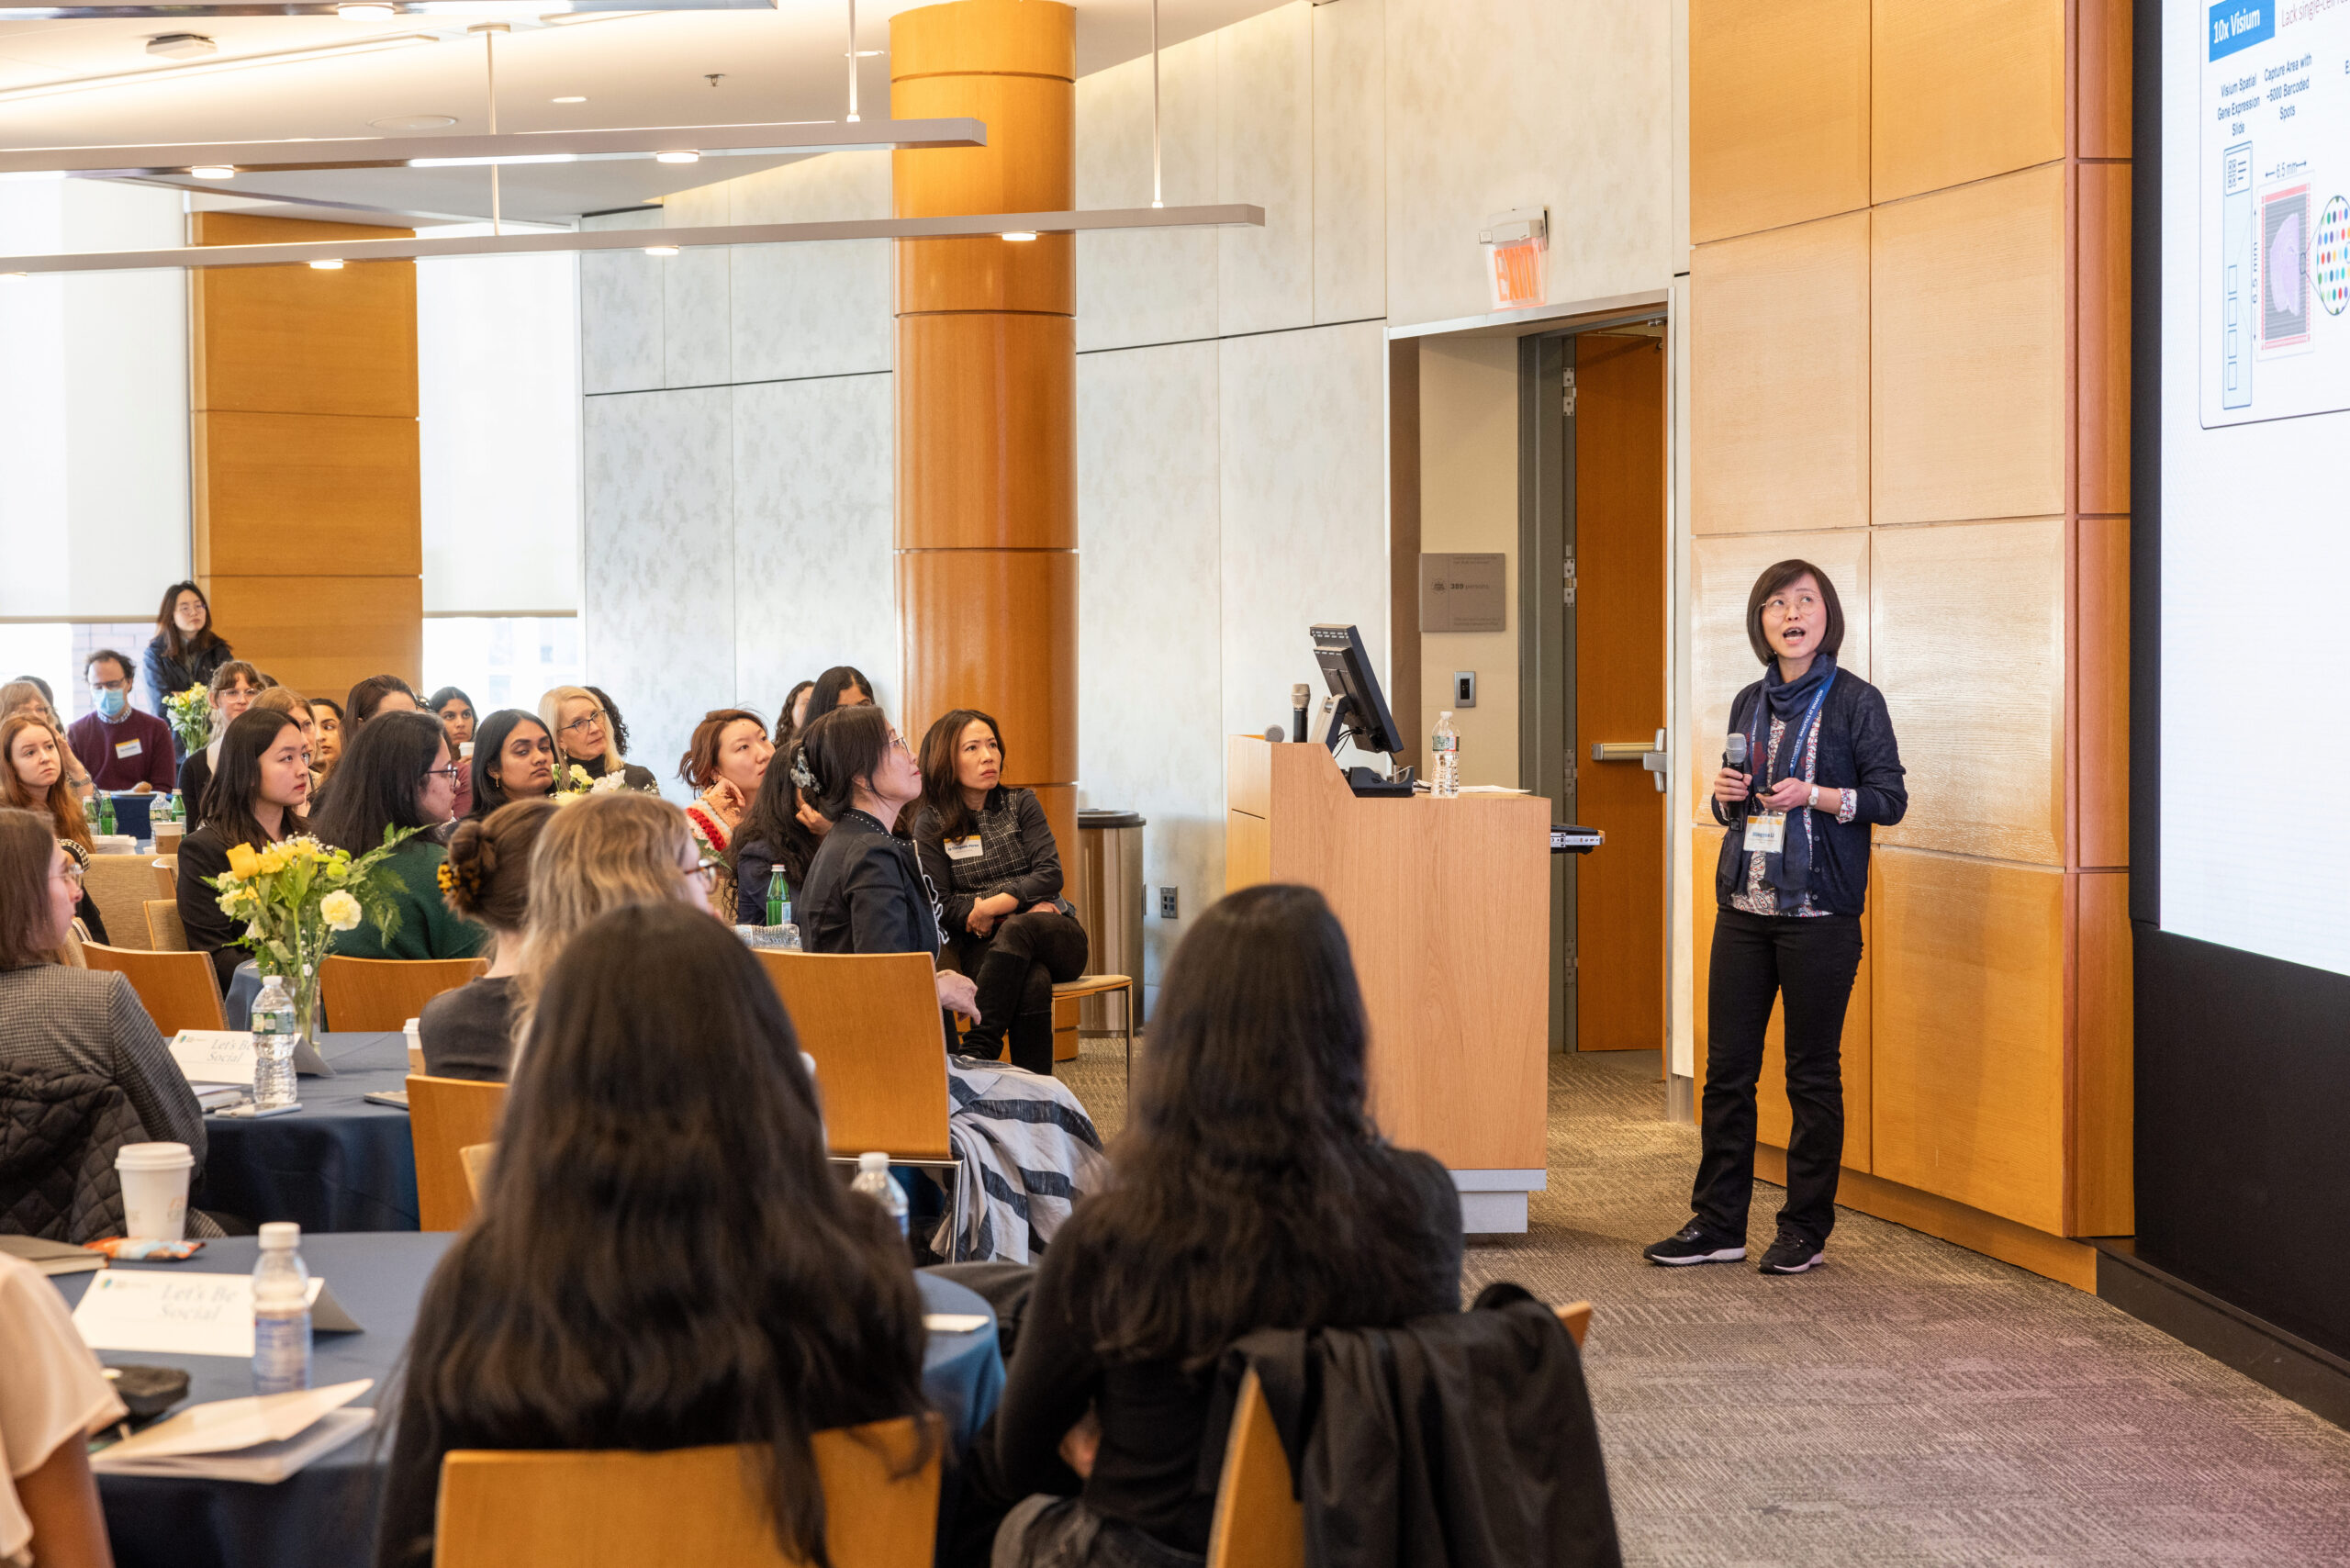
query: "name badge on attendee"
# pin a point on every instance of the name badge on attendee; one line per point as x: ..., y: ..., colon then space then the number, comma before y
x: 967, y: 849
x: 1767, y: 833
x: 127, y: 748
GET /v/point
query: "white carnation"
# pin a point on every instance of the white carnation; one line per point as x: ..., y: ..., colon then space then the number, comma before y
x: 339, y: 910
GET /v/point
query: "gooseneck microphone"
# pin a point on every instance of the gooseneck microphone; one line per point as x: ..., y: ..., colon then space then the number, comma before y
x: 1301, y: 696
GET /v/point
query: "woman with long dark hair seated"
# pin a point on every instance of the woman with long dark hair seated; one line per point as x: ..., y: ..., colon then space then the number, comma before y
x: 990, y: 852
x: 663, y: 1258
x: 1253, y: 1191
x: 397, y: 774
x: 455, y: 711
x: 514, y: 760
x: 257, y: 794
x: 782, y: 831
x: 842, y: 686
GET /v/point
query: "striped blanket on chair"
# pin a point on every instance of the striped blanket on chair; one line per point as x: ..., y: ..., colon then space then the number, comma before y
x: 1028, y: 1152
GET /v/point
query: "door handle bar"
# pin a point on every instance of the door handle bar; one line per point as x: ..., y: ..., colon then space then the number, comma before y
x: 1650, y: 755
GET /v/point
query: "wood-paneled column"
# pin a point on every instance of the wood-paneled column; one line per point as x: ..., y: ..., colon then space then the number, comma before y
x: 986, y: 389
x: 308, y: 503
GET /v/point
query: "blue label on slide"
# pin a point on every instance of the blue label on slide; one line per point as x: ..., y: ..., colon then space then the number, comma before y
x: 2240, y: 24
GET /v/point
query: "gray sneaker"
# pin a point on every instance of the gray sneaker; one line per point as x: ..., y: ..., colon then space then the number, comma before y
x: 1693, y: 1243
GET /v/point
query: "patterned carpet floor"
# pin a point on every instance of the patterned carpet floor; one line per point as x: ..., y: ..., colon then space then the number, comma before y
x: 1908, y: 1403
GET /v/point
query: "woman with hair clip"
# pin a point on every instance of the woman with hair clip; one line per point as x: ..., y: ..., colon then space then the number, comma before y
x: 185, y: 650
x: 782, y: 831
x: 618, y: 1290
x: 726, y: 761
x: 514, y: 760
x: 257, y: 796
x: 234, y: 686
x: 586, y: 737
x: 398, y: 775
x: 1253, y: 1191
x: 1820, y: 765
x: 469, y: 1032
x: 33, y: 778
x: 990, y: 853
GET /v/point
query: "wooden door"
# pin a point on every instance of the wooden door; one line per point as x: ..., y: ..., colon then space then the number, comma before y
x: 1619, y: 568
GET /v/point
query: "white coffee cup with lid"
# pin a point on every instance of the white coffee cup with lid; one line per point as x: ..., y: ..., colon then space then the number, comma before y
x: 155, y: 1188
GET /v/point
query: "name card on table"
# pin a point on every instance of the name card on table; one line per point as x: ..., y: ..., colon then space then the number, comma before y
x: 215, y: 1056
x: 186, y: 1315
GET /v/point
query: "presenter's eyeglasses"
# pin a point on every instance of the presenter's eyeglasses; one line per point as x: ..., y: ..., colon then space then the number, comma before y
x: 1780, y: 607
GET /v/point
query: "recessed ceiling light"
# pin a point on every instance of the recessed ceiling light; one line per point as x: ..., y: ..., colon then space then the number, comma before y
x: 213, y: 172
x: 331, y: 265
x: 182, y: 46
x: 677, y: 157
x: 660, y: 250
x: 1020, y: 236
x: 412, y: 122
x: 571, y: 100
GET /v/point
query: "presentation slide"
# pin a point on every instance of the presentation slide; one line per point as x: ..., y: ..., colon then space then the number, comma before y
x: 2255, y: 451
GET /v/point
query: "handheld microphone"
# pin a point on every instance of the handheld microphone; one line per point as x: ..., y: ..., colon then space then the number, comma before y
x: 1735, y: 755
x: 1300, y: 696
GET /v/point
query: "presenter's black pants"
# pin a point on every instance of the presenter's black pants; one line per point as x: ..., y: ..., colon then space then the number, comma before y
x: 1809, y: 962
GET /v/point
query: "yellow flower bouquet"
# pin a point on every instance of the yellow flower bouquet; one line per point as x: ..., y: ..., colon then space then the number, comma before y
x: 295, y: 895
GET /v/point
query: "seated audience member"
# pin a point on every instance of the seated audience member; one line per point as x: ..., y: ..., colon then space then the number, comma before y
x: 724, y: 762
x: 1249, y: 1141
x: 29, y: 694
x: 325, y: 736
x: 793, y: 717
x: 841, y: 686
x: 118, y: 746
x: 376, y: 694
x: 618, y: 725
x: 234, y: 686
x: 469, y: 1032
x: 455, y: 711
x: 256, y: 799
x: 57, y: 1021
x: 514, y: 760
x: 397, y: 774
x: 54, y: 1397
x: 32, y: 778
x: 781, y: 830
x: 990, y: 852
x: 286, y: 701
x: 769, y: 1301
x: 587, y: 738
x: 185, y: 651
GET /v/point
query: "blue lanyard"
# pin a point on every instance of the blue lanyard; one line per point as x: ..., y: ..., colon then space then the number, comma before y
x: 1795, y: 736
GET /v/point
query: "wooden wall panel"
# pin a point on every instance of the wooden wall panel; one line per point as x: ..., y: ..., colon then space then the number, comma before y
x: 994, y: 394
x: 2102, y: 692
x: 979, y: 629
x: 1968, y: 628
x: 323, y: 635
x: 1722, y: 569
x: 2102, y: 1146
x: 2101, y: 346
x: 1968, y: 1043
x: 1778, y: 113
x: 1964, y: 89
x: 306, y: 495
x: 292, y: 340
x: 1779, y: 379
x: 1968, y: 352
x: 2102, y: 87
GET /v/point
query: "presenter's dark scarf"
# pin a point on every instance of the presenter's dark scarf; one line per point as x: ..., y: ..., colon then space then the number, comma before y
x: 1788, y: 872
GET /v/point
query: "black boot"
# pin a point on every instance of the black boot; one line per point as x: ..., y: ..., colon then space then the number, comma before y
x: 1001, y: 980
x: 1032, y: 1042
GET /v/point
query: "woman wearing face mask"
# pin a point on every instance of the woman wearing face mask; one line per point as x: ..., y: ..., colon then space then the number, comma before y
x: 1821, y: 765
x: 514, y: 760
x: 185, y: 651
x: 120, y: 747
x: 234, y: 687
x: 398, y: 775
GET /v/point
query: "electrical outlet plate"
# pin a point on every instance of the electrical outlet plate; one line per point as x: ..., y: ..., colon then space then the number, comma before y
x: 1464, y: 689
x: 1167, y: 903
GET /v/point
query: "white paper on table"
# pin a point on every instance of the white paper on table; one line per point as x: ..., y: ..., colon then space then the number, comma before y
x: 264, y: 1463
x: 186, y: 1315
x: 954, y: 1322
x: 226, y: 1425
x: 215, y: 1056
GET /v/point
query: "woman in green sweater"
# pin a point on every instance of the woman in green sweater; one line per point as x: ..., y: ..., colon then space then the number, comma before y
x: 396, y: 773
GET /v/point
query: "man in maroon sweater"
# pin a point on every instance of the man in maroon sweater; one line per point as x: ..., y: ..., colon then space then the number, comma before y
x: 122, y: 747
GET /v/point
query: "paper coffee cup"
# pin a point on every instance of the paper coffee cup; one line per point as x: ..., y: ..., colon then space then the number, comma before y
x: 155, y: 1188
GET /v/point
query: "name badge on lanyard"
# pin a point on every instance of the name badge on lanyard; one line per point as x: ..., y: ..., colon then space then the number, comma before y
x: 968, y: 848
x: 1767, y: 833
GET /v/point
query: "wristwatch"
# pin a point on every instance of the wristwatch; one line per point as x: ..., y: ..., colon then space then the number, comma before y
x: 1815, y: 798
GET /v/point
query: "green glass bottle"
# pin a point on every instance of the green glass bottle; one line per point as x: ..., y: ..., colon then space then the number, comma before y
x: 778, y: 898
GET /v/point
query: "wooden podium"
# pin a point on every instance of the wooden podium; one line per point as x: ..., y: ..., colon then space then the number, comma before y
x: 1447, y: 904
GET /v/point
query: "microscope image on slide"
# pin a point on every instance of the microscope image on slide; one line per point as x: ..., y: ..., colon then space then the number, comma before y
x: 2284, y: 272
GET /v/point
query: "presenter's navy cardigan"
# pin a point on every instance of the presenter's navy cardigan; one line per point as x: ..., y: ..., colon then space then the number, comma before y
x: 1856, y: 752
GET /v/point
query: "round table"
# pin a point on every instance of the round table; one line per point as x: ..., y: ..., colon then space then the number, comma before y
x: 326, y: 1514
x: 336, y: 1164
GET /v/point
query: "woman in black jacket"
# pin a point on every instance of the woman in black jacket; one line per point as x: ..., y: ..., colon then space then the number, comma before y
x: 185, y: 650
x: 263, y: 784
x: 1820, y: 765
x: 990, y: 852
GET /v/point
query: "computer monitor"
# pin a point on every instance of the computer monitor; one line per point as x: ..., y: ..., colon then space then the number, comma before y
x: 1361, y: 712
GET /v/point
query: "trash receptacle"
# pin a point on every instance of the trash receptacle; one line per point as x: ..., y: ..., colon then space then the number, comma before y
x: 1109, y: 899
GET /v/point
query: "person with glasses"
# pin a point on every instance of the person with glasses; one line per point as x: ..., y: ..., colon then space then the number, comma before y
x: 584, y: 738
x: 234, y: 687
x: 120, y: 747
x: 257, y: 800
x: 185, y: 651
x: 1820, y: 765
x: 396, y: 773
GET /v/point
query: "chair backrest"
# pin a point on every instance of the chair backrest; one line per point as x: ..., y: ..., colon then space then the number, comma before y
x: 1259, y: 1523
x: 512, y: 1508
x: 121, y: 886
x: 383, y: 994
x: 180, y: 991
x: 446, y: 1115
x: 167, y: 875
x: 164, y: 932
x: 475, y: 1158
x: 872, y: 1022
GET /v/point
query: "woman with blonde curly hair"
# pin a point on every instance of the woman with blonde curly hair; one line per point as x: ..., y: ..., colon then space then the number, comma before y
x: 469, y: 1032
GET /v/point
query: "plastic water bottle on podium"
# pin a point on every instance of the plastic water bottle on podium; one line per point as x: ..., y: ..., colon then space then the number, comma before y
x: 874, y: 1179
x: 1446, y: 746
x: 281, y: 1312
x: 274, y: 1024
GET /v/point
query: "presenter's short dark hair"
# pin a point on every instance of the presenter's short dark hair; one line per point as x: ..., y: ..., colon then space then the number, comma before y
x: 1776, y: 575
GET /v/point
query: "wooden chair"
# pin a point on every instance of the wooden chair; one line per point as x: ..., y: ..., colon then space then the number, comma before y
x: 381, y: 995
x: 164, y: 932
x: 167, y: 875
x: 1120, y: 986
x: 121, y: 886
x: 1260, y: 1522
x: 446, y: 1116
x: 476, y: 1157
x: 511, y: 1508
x: 180, y: 991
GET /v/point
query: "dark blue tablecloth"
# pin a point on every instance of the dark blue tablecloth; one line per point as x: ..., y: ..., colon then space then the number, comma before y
x: 326, y: 1515
x: 338, y: 1163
